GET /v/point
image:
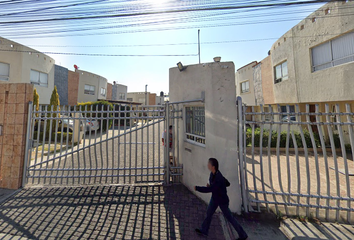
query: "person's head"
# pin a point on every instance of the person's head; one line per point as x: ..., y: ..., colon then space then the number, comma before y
x: 213, y: 165
x: 170, y: 129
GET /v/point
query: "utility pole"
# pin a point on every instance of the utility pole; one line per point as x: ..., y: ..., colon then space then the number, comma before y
x: 199, y: 44
x: 146, y: 88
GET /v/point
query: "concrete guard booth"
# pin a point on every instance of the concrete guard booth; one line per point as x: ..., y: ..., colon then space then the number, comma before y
x: 217, y: 83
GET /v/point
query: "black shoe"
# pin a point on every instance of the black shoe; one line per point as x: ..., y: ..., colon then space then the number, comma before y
x: 242, y: 238
x: 197, y: 230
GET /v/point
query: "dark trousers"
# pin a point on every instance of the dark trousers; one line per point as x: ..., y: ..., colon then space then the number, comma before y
x: 227, y: 213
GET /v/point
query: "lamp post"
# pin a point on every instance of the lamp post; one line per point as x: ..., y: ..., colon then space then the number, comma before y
x: 146, y: 87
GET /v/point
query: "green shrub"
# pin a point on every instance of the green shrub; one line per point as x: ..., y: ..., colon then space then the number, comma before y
x: 98, y: 105
x: 282, y: 139
x: 59, y: 134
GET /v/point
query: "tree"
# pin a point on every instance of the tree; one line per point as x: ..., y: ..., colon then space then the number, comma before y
x: 54, y: 102
x: 36, y: 100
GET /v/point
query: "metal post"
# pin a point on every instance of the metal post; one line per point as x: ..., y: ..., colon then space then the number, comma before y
x: 240, y: 153
x: 28, y: 143
x: 166, y: 145
x: 199, y: 44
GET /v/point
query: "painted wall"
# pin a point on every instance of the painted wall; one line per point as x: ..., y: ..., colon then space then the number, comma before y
x: 152, y: 99
x: 160, y: 100
x: 267, y: 80
x: 138, y: 97
x: 90, y: 79
x: 73, y: 87
x: 21, y: 64
x: 217, y: 80
x: 61, y: 81
x: 242, y: 75
x: 117, y: 89
x: 282, y: 50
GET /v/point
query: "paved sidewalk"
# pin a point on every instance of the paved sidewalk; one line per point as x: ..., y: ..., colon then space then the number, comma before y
x: 110, y: 212
x: 6, y: 193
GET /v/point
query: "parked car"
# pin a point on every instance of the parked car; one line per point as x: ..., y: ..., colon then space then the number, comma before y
x: 92, y: 125
x: 68, y: 124
x: 286, y: 119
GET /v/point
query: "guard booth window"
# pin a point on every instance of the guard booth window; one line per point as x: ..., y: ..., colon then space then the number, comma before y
x: 195, y: 125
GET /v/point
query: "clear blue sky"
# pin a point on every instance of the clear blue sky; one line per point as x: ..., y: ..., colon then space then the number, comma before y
x: 135, y: 72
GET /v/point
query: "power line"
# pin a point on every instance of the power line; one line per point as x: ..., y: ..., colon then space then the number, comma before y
x: 166, y: 12
x: 102, y: 54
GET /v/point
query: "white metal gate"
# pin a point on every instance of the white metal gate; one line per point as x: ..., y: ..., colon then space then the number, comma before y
x: 297, y: 160
x: 99, y: 144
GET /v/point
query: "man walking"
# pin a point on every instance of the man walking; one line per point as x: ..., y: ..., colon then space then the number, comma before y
x: 217, y: 186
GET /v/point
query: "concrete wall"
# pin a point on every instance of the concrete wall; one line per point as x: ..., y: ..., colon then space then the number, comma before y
x: 304, y: 85
x: 117, y: 89
x: 90, y: 79
x: 61, y: 81
x: 73, y: 87
x: 109, y: 91
x: 14, y: 99
x: 217, y: 80
x: 21, y: 64
x: 242, y: 75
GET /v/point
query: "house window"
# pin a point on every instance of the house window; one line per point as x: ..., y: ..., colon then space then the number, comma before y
x: 245, y: 87
x: 285, y: 117
x: 195, y: 125
x: 281, y: 72
x: 332, y: 53
x: 4, y: 71
x: 130, y: 99
x: 103, y: 91
x: 89, y: 89
x: 121, y: 96
x: 39, y: 78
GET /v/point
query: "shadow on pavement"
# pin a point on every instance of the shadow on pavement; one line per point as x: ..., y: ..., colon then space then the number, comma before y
x: 105, y: 212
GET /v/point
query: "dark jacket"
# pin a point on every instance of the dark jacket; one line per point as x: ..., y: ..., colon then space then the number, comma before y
x: 217, y: 187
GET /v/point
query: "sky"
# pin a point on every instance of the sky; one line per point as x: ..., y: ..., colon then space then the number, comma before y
x: 136, y: 72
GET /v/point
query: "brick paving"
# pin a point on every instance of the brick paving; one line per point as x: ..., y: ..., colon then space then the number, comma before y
x: 106, y: 212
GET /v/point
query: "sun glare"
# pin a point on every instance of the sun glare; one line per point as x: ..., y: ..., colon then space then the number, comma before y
x: 157, y: 2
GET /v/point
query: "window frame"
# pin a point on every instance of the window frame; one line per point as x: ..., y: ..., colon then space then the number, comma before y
x: 89, y: 92
x: 39, y: 83
x: 119, y: 96
x: 191, y: 137
x: 4, y: 76
x: 248, y: 90
x: 283, y: 77
x: 332, y: 61
x: 105, y: 92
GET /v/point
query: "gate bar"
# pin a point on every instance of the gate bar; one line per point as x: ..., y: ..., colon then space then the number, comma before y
x: 241, y: 157
x: 28, y: 141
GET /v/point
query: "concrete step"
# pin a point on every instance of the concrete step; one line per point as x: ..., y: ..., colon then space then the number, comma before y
x: 297, y: 230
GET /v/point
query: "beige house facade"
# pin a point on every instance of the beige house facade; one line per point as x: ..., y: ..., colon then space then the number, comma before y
x: 140, y: 98
x: 21, y: 64
x: 311, y: 64
x: 92, y: 87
